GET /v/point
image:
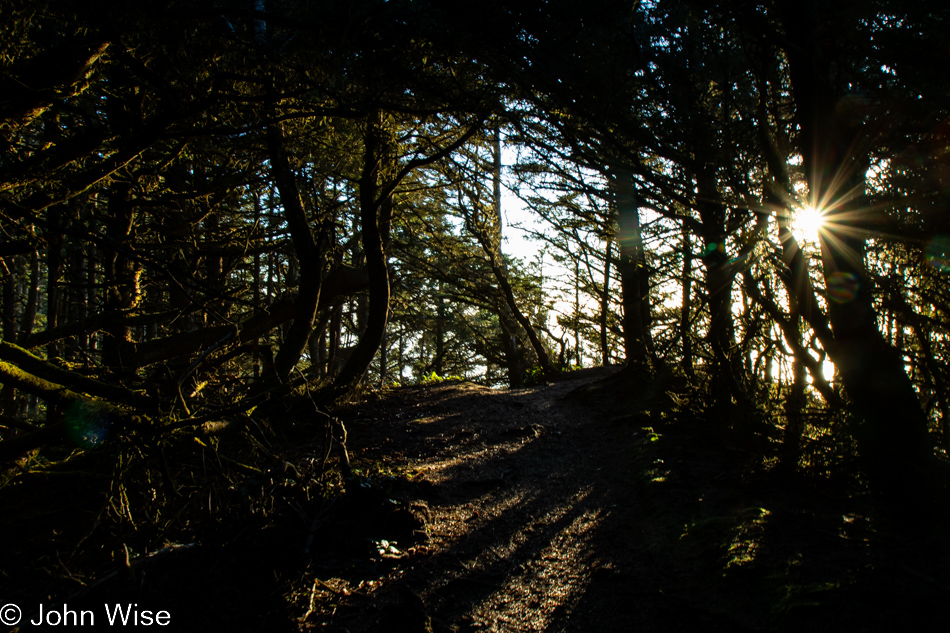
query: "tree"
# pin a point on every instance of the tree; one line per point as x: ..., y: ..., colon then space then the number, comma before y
x: 835, y: 149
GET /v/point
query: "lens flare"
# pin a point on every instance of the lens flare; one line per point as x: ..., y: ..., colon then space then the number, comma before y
x: 938, y: 253
x: 87, y: 424
x: 843, y: 287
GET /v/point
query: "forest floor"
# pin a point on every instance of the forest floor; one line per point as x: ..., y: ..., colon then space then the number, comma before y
x: 579, y: 506
x: 572, y: 505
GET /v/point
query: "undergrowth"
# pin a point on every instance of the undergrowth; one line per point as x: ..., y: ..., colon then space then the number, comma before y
x: 78, y: 515
x: 772, y: 544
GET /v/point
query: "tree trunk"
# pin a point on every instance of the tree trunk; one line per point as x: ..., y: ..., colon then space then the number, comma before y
x: 634, y: 276
x: 605, y: 306
x: 719, y: 279
x: 383, y: 359
x: 10, y: 299
x: 376, y: 209
x: 333, y: 345
x: 54, y: 271
x: 216, y: 309
x: 577, y: 312
x: 311, y: 257
x: 80, y: 307
x: 686, y: 304
x: 508, y: 311
x: 543, y: 359
x: 437, y: 362
x: 892, y: 437
x: 256, y: 277
x: 14, y: 270
x: 28, y: 318
x: 121, y: 276
x: 371, y: 210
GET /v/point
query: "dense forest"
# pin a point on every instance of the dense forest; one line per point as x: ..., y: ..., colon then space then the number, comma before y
x: 222, y: 216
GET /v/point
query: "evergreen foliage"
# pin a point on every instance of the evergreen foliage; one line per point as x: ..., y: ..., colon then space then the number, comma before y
x: 237, y: 208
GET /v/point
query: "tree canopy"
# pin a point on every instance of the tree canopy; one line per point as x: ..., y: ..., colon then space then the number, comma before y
x: 236, y: 208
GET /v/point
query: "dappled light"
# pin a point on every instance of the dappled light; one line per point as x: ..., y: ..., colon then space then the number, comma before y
x: 550, y: 585
x: 745, y: 543
x: 519, y: 558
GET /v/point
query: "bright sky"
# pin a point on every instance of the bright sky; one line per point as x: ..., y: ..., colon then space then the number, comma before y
x: 517, y: 243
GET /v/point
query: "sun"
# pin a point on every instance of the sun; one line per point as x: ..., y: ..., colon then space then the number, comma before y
x: 807, y: 222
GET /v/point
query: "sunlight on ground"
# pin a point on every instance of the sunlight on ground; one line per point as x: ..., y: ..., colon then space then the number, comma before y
x: 452, y: 461
x: 747, y: 527
x: 560, y: 569
x: 745, y: 543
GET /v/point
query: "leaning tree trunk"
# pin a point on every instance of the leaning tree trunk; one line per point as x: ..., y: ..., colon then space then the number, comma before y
x: 510, y: 310
x: 892, y: 436
x: 373, y: 212
x: 311, y: 257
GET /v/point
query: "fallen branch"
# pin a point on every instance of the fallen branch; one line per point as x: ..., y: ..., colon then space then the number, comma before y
x: 38, y: 368
x: 52, y: 393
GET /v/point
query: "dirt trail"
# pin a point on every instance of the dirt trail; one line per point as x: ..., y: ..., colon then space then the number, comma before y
x: 539, y: 509
x: 473, y: 510
x: 533, y: 521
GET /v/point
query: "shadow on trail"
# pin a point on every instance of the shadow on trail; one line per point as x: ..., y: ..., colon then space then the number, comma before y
x: 554, y: 514
x: 536, y: 522
x: 527, y: 511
